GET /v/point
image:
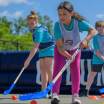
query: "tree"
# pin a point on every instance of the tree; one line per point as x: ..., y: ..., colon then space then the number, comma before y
x: 48, y: 23
x: 5, y: 25
x: 45, y: 20
x: 3, y: 29
x: 40, y: 19
x: 20, y: 26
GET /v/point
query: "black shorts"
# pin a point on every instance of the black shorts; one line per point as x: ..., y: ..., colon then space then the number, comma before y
x: 97, y: 67
x: 46, y: 56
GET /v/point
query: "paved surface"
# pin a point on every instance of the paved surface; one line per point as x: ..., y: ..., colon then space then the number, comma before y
x: 64, y: 99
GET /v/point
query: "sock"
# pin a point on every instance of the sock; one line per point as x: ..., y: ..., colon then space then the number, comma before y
x: 87, y: 91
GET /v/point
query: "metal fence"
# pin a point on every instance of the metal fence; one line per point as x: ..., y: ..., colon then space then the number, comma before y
x: 14, y: 46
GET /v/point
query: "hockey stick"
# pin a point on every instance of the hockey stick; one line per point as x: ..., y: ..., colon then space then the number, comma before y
x: 42, y: 94
x: 101, y: 90
x: 8, y: 91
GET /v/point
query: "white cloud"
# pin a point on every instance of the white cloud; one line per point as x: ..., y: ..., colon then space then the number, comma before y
x: 36, y: 3
x: 36, y: 8
x: 15, y: 15
x: 7, y: 2
x: 5, y: 13
x: 100, y: 15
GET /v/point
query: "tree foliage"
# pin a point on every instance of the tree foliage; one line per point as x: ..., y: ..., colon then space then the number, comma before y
x: 18, y: 31
x: 20, y: 26
x: 45, y: 20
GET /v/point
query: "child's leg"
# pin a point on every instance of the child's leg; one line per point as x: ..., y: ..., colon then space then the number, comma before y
x: 95, y: 68
x: 44, y: 75
x: 89, y: 83
x: 90, y: 80
x: 75, y: 77
x: 75, y: 72
x: 59, y: 62
x: 49, y: 61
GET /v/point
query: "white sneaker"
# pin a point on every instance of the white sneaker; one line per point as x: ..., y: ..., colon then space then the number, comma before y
x: 55, y: 98
x: 75, y: 99
x: 47, y: 96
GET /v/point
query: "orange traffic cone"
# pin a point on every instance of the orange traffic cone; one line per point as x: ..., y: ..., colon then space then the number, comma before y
x: 94, y: 98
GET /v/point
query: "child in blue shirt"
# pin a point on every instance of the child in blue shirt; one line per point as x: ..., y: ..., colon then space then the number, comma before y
x: 98, y: 56
x: 43, y: 40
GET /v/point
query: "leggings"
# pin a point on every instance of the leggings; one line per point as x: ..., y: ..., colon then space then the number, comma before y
x: 59, y: 62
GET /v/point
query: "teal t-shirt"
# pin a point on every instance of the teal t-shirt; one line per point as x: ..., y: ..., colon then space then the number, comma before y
x: 42, y: 36
x: 96, y: 59
x: 82, y: 25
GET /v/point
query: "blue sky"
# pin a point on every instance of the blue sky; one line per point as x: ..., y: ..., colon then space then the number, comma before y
x: 92, y: 10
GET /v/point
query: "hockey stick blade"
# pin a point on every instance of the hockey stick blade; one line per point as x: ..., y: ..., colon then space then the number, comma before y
x: 36, y: 95
x: 8, y: 91
x: 101, y: 90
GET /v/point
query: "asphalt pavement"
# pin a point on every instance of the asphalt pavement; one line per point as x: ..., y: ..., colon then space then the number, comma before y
x: 64, y: 99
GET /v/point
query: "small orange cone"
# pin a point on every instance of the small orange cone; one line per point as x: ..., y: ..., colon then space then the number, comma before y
x: 94, y: 98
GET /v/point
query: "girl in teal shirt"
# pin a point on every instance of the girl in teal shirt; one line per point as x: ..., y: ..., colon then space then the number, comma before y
x: 67, y: 37
x: 98, y: 56
x: 43, y: 40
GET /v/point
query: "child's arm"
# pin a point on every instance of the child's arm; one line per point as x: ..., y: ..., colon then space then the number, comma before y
x: 32, y: 53
x: 99, y: 55
x: 90, y: 35
x: 61, y: 49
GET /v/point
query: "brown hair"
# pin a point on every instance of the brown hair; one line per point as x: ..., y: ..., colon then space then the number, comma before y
x: 69, y: 7
x: 99, y: 23
x: 32, y: 16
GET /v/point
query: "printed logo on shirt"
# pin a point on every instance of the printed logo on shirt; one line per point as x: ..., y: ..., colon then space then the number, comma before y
x: 69, y: 42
